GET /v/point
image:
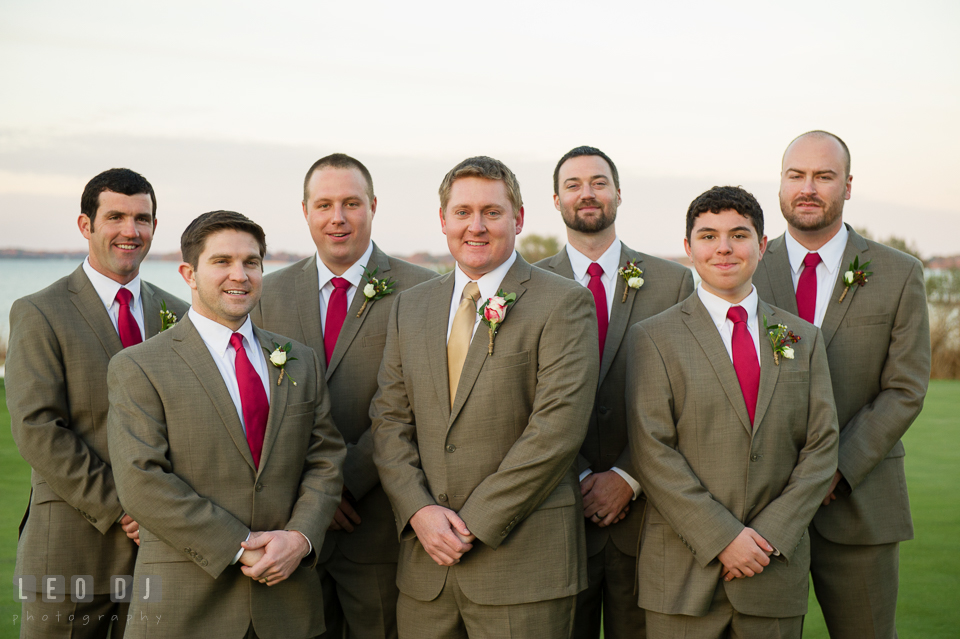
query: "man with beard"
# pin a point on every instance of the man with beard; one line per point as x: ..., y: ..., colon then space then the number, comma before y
x: 878, y: 345
x: 586, y: 189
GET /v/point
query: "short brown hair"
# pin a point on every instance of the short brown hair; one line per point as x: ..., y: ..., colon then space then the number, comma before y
x: 724, y: 198
x: 485, y: 167
x: 338, y: 161
x: 122, y: 181
x: 194, y: 238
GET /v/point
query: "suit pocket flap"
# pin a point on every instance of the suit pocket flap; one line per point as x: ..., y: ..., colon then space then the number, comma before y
x: 560, y: 497
x: 502, y: 361
x: 375, y: 340
x: 298, y: 409
x: 794, y: 376
x: 868, y: 320
x: 42, y: 493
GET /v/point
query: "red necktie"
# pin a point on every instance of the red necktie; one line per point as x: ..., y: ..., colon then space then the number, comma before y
x: 600, y: 299
x: 336, y: 313
x: 126, y: 325
x: 807, y: 288
x: 253, y: 399
x: 745, y: 360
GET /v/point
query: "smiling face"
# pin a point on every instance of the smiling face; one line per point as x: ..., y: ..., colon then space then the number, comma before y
x: 227, y: 280
x: 480, y: 224
x: 813, y: 185
x: 120, y: 235
x: 725, y: 251
x: 340, y: 216
x: 587, y: 198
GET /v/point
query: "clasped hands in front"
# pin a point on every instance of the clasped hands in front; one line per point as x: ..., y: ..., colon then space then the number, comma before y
x: 442, y: 533
x: 272, y: 556
x: 745, y: 556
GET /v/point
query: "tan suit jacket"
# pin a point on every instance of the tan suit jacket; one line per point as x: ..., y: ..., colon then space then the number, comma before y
x: 503, y: 456
x: 61, y: 340
x: 878, y: 344
x: 190, y: 480
x: 665, y: 284
x: 707, y: 473
x: 291, y: 306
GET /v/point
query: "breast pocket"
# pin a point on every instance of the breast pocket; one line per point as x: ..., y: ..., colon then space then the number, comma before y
x: 375, y: 341
x: 794, y: 377
x: 868, y: 320
x: 496, y: 361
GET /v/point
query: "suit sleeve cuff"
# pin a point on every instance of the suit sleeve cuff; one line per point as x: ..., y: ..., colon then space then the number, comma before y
x: 237, y: 558
x: 633, y: 483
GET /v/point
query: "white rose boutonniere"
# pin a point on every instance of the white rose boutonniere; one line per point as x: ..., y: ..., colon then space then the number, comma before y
x: 375, y: 289
x: 856, y: 274
x: 630, y: 273
x: 780, y: 339
x: 167, y: 318
x: 494, y: 311
x: 279, y: 358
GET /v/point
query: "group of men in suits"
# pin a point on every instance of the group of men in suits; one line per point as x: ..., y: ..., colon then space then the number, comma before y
x: 353, y: 446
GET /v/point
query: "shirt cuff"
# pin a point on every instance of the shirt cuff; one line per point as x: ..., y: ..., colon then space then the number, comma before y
x: 237, y: 558
x: 584, y: 474
x: 309, y: 545
x: 630, y: 481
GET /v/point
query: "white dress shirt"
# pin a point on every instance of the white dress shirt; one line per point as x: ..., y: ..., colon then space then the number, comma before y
x: 489, y: 284
x: 107, y: 288
x: 354, y: 275
x: 609, y: 262
x: 718, y: 307
x: 831, y: 254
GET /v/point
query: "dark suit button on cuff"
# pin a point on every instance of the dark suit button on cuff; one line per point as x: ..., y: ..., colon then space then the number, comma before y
x: 451, y: 448
x: 204, y: 562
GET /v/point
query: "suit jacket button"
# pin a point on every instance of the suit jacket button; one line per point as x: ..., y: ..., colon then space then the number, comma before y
x: 754, y: 458
x: 204, y: 562
x: 442, y: 496
x: 258, y: 487
x: 451, y: 448
x: 93, y: 519
x: 604, y: 410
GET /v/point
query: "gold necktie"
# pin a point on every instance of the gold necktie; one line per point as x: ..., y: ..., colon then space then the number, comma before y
x: 460, y: 334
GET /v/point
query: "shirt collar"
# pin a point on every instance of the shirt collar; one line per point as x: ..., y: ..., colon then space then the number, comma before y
x: 831, y: 253
x: 489, y: 283
x: 107, y: 288
x: 354, y: 274
x: 217, y: 336
x: 609, y: 261
x: 718, y: 307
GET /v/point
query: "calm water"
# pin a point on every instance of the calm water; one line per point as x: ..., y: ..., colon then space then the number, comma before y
x: 19, y: 277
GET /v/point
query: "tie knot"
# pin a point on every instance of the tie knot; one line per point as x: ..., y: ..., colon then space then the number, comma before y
x: 236, y: 340
x: 737, y: 314
x: 594, y: 270
x: 811, y: 260
x: 124, y: 296
x: 471, y: 291
x: 339, y: 282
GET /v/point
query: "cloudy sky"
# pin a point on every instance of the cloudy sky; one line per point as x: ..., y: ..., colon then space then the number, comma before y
x: 226, y: 104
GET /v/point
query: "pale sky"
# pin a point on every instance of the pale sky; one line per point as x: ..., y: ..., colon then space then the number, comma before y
x: 226, y: 104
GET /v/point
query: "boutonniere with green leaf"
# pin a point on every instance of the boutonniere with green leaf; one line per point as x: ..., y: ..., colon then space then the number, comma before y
x: 375, y: 289
x: 856, y: 274
x: 494, y: 311
x: 279, y: 358
x: 630, y: 273
x: 781, y: 339
x: 167, y: 318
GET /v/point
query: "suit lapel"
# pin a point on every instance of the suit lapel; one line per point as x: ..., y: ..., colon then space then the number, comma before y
x: 151, y: 310
x: 91, y: 307
x: 477, y: 355
x: 620, y: 312
x: 779, y: 275
x: 278, y: 399
x: 351, y: 325
x: 188, y: 344
x: 698, y: 320
x: 769, y: 371
x: 436, y: 320
x: 560, y: 264
x: 856, y: 246
x: 308, y: 304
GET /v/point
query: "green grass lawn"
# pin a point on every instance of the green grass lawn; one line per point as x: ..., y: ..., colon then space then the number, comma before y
x: 929, y: 604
